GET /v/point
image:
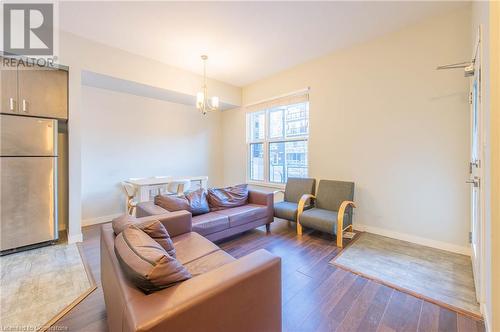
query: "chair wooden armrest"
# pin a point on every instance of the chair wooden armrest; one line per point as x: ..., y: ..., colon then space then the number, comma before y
x: 340, y: 222
x: 302, y: 203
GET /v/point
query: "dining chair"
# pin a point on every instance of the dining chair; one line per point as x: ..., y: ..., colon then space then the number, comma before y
x: 130, y: 191
x: 178, y: 186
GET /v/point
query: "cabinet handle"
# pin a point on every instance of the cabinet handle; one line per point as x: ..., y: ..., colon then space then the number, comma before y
x: 25, y: 106
x: 11, y: 104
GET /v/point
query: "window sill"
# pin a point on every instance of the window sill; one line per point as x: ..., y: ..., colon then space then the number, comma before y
x: 280, y: 186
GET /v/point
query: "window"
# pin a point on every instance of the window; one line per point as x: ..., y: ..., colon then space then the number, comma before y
x: 277, y: 142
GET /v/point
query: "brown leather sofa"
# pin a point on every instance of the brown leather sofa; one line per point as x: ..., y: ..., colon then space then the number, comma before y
x: 224, y: 294
x: 221, y: 224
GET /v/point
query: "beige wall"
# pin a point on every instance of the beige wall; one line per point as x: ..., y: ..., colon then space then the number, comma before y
x: 383, y: 117
x: 127, y: 136
x: 82, y: 54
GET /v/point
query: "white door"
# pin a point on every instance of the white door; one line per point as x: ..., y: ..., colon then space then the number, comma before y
x: 475, y: 171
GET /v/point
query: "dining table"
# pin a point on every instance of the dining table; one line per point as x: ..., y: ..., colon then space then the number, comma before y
x: 148, y: 187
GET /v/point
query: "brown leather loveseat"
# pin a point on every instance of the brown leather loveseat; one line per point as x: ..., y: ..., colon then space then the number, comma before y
x: 224, y: 293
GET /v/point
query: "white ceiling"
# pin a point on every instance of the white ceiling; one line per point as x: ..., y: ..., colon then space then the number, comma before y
x: 245, y: 41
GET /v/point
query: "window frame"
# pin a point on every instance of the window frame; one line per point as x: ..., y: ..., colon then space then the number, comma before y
x: 266, y: 144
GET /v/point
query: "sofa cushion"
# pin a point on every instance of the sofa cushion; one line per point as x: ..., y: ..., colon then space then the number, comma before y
x: 286, y: 210
x: 322, y: 220
x: 244, y: 214
x: 229, y: 197
x: 209, y: 262
x: 153, y: 228
x: 191, y: 246
x: 209, y: 223
x: 145, y: 263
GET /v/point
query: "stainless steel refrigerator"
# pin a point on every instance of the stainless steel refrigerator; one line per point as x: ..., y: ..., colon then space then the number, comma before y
x: 28, y: 201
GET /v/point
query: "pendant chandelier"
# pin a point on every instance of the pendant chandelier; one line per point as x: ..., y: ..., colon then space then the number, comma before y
x: 203, y: 103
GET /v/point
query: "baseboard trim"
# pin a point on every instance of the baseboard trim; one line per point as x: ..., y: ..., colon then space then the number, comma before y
x: 75, y: 238
x: 414, y: 239
x: 99, y: 220
x: 486, y: 317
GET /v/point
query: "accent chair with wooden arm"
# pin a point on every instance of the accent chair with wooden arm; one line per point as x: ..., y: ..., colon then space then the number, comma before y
x: 294, y: 190
x: 333, y: 209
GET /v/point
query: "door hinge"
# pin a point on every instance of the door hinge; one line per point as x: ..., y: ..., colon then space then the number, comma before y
x: 472, y: 164
x: 470, y: 98
x: 470, y: 237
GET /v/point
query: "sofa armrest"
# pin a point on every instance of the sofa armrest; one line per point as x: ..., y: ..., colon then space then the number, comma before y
x: 176, y: 223
x: 144, y: 209
x: 263, y: 198
x: 260, y: 197
x: 244, y: 295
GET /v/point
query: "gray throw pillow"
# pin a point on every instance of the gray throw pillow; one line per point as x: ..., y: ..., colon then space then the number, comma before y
x: 225, y: 198
x: 198, y: 202
x: 153, y: 228
x: 145, y: 263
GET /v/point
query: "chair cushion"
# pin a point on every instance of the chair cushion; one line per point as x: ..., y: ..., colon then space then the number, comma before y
x: 296, y: 187
x: 320, y: 219
x: 191, y: 246
x: 244, y: 214
x: 332, y: 193
x: 209, y: 262
x: 209, y: 223
x: 225, y: 198
x: 286, y: 210
x: 153, y: 228
x: 145, y: 263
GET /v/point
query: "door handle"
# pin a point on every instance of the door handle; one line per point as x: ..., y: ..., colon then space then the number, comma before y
x: 11, y: 104
x: 25, y: 105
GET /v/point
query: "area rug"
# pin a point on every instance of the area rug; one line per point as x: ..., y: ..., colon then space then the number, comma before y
x: 39, y: 286
x: 435, y: 275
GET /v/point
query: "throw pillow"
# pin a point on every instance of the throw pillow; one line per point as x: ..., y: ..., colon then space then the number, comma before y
x: 158, y: 232
x: 172, y: 202
x: 122, y: 222
x: 225, y: 198
x: 198, y: 202
x: 145, y: 263
x: 153, y: 228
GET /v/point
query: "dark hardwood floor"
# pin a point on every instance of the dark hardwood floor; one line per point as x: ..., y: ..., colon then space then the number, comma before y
x: 316, y: 295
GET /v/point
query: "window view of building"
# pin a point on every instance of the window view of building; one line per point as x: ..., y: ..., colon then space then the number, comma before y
x: 257, y: 162
x: 281, y: 146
